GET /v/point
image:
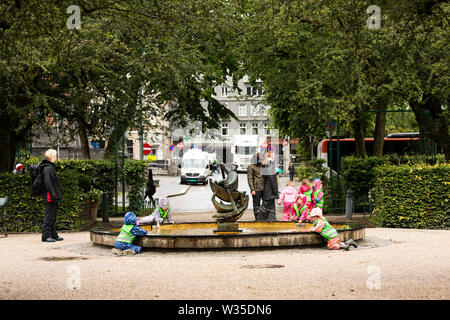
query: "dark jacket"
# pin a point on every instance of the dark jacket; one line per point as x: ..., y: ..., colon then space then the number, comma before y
x: 51, y: 180
x: 270, y: 191
x: 292, y: 169
x: 151, y: 189
x: 254, y: 177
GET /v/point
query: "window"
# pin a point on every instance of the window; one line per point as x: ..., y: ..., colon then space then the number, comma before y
x: 245, y: 150
x: 251, y: 91
x: 242, y: 110
x: 130, y: 148
x: 224, y: 91
x: 255, y: 128
x: 266, y: 128
x: 242, y: 128
x: 224, y: 129
x: 254, y: 111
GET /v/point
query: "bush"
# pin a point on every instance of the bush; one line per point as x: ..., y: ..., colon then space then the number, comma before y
x: 359, y: 175
x: 80, y: 179
x: 135, y: 178
x: 412, y: 196
x: 30, y: 210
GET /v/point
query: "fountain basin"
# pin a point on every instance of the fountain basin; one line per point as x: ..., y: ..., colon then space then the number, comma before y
x: 200, y: 235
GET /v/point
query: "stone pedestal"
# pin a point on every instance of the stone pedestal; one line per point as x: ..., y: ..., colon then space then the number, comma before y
x: 227, y: 227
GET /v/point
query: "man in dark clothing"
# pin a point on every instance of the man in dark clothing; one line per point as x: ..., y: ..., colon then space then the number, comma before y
x: 151, y: 189
x: 267, y: 211
x: 255, y: 182
x: 291, y: 171
x: 52, y: 196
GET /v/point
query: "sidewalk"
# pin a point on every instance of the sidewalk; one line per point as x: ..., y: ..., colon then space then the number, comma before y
x: 388, y: 264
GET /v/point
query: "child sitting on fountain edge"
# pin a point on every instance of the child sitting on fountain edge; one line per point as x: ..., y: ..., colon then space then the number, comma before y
x: 128, y: 232
x: 161, y: 214
x: 322, y: 226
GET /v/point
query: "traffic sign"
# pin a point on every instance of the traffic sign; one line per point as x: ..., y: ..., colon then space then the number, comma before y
x: 180, y: 145
x: 272, y: 148
x: 264, y: 145
x: 171, y: 147
x: 147, y: 148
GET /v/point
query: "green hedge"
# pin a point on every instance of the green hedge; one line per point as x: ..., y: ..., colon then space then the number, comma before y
x: 412, y: 196
x: 30, y: 210
x: 358, y: 173
x: 135, y: 174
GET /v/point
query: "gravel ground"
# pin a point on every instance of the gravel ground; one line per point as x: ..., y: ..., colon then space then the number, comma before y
x: 388, y: 264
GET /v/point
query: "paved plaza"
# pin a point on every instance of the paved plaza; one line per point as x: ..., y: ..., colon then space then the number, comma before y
x: 388, y: 264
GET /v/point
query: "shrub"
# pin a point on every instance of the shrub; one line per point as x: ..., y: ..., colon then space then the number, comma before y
x: 359, y: 174
x: 30, y: 210
x: 412, y: 196
x: 135, y: 178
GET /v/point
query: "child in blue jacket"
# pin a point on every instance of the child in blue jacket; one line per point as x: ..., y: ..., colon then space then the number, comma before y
x: 128, y: 232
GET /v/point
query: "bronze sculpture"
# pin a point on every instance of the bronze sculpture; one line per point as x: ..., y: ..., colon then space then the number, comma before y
x: 226, y: 190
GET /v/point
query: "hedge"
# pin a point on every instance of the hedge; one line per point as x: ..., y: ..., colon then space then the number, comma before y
x: 412, y: 196
x: 358, y: 173
x: 30, y: 210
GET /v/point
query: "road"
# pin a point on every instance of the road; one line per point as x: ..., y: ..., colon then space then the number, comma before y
x: 198, y: 197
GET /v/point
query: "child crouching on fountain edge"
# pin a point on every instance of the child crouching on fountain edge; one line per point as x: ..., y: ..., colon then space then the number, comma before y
x: 324, y: 228
x: 161, y: 214
x: 128, y: 232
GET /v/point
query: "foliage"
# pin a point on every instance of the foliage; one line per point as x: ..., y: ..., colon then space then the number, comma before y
x: 318, y: 62
x: 85, y: 183
x: 30, y: 210
x: 359, y: 175
x: 130, y: 62
x: 412, y: 196
x: 93, y: 196
x: 135, y: 177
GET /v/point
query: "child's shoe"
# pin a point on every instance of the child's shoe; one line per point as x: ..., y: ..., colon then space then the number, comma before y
x: 117, y: 252
x: 351, y: 242
x: 344, y: 245
x: 129, y: 252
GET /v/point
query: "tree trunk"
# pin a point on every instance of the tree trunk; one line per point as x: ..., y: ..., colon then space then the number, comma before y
x: 380, y: 131
x: 360, y: 144
x: 435, y: 124
x: 9, y: 141
x: 84, y: 141
x: 109, y: 148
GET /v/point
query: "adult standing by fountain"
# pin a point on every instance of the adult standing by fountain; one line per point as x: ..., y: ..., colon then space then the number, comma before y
x: 52, y: 196
x: 255, y: 182
x: 267, y: 210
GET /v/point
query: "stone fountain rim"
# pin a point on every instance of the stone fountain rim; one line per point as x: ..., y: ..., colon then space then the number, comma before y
x: 107, y: 230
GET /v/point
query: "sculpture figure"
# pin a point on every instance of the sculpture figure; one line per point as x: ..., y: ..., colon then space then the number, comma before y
x: 226, y: 190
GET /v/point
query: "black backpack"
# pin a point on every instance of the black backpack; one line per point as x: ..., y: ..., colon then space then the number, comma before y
x: 37, y: 183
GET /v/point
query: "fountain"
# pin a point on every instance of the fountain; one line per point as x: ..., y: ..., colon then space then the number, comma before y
x: 226, y: 232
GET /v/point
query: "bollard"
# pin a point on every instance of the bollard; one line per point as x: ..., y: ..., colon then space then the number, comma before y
x: 349, y: 204
x: 105, y: 212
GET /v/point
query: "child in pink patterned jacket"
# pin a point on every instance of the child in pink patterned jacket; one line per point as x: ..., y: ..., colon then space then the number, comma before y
x: 289, y: 196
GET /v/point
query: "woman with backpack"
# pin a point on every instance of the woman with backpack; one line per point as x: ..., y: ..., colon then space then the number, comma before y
x: 52, y: 195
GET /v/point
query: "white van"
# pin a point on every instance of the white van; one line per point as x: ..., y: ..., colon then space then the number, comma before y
x: 195, y: 167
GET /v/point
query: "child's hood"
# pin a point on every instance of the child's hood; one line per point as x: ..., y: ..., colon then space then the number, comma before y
x: 130, y: 218
x: 304, y: 188
x: 290, y: 190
